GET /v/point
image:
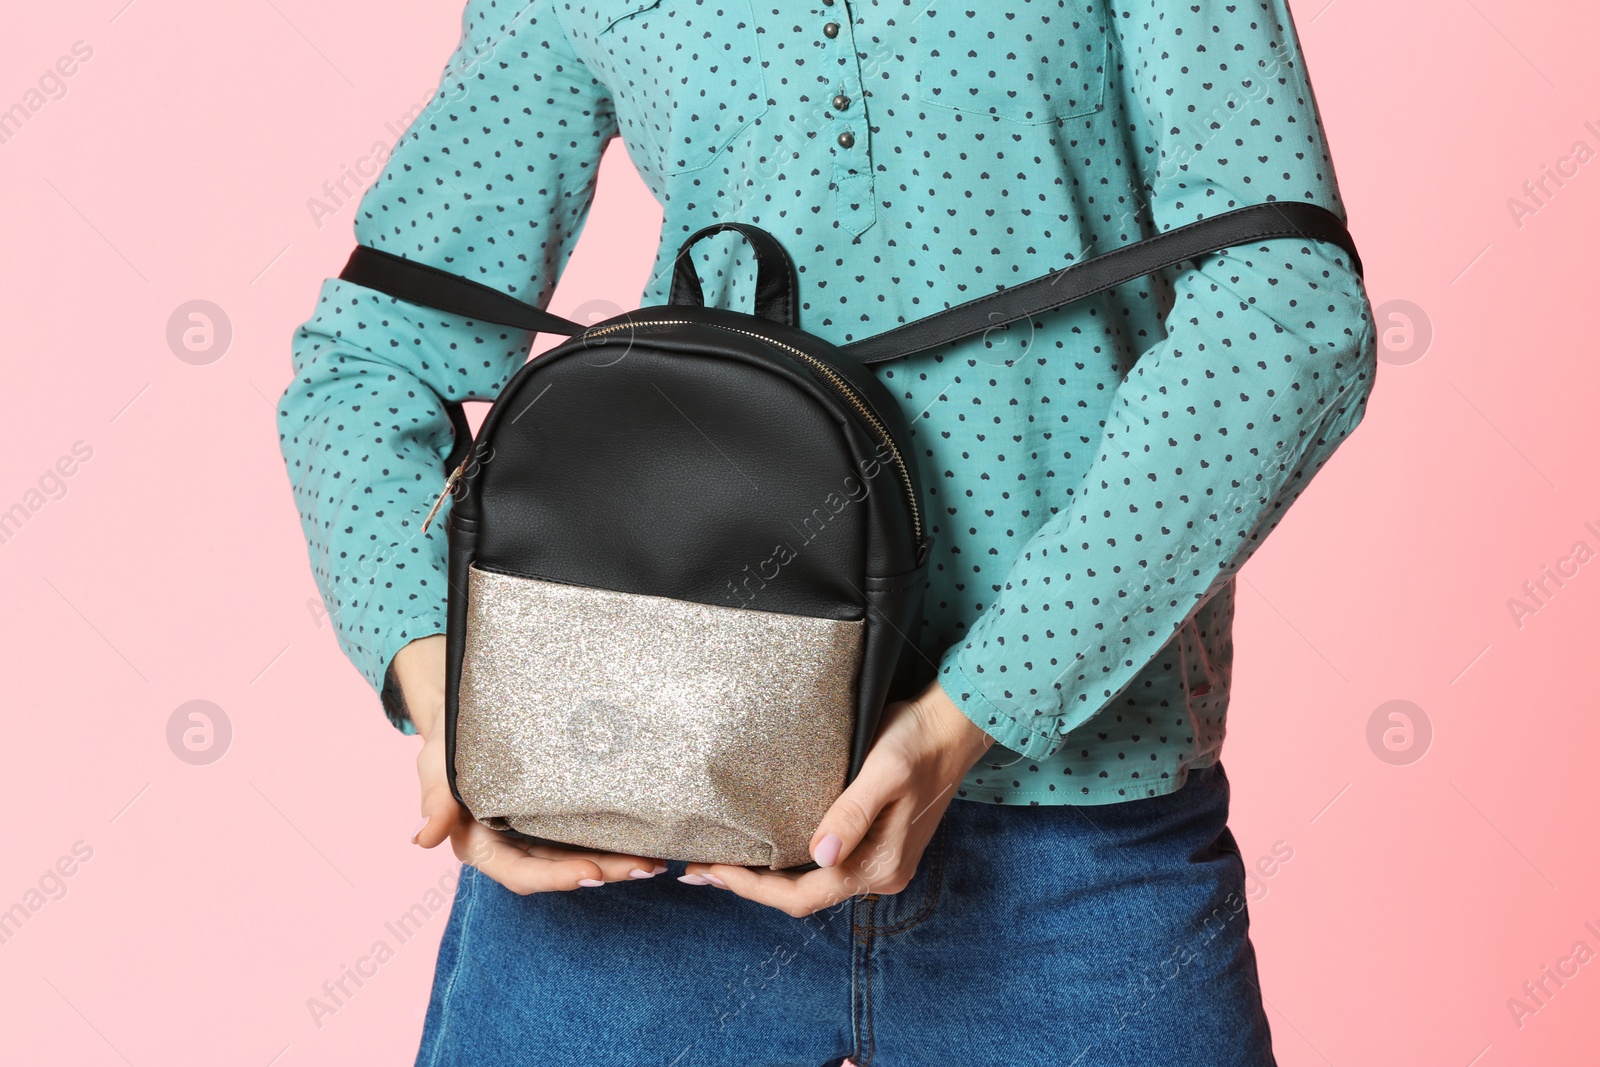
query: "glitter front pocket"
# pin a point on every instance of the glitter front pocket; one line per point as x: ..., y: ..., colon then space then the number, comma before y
x: 642, y: 724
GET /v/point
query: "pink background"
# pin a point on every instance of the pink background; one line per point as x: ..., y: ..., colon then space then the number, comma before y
x: 218, y: 898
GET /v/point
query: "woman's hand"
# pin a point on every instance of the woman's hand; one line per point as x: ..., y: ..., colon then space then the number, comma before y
x: 520, y: 867
x: 873, y: 836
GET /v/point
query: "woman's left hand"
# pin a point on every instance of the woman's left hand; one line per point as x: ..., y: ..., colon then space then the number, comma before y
x: 873, y: 836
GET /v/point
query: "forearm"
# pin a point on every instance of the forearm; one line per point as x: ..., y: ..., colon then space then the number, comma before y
x: 1208, y: 442
x: 364, y: 435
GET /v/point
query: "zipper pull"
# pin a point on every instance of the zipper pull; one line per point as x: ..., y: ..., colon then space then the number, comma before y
x: 449, y: 484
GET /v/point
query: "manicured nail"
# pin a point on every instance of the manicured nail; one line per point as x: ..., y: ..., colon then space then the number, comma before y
x: 590, y: 882
x: 420, y: 827
x: 714, y: 880
x: 693, y: 879
x: 827, y: 853
x: 658, y: 870
x: 637, y: 873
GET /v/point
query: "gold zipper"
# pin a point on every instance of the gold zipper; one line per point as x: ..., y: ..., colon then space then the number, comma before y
x: 840, y: 386
x: 449, y: 484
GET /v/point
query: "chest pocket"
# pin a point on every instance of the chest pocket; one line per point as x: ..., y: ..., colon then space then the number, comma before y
x: 685, y: 76
x: 1027, y: 61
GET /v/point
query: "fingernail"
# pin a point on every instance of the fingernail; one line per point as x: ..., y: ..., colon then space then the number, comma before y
x: 420, y: 826
x: 590, y: 882
x: 658, y: 870
x: 714, y: 880
x: 693, y: 879
x: 637, y: 873
x: 827, y: 853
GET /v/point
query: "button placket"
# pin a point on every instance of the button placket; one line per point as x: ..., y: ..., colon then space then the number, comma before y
x: 853, y: 200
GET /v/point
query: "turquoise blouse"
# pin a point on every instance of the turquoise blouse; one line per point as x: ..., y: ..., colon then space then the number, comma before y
x: 1095, y: 478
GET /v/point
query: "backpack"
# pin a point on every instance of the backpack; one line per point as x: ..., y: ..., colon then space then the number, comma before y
x: 687, y: 551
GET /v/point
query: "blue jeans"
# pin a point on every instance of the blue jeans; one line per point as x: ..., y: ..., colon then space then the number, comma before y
x: 1069, y: 936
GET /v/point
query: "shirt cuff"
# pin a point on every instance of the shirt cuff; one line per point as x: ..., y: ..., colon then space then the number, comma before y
x: 1034, y: 739
x: 393, y: 640
x: 394, y: 703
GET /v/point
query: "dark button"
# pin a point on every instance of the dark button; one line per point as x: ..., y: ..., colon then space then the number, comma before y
x: 847, y: 139
x: 841, y: 102
x: 831, y: 30
x: 827, y: 3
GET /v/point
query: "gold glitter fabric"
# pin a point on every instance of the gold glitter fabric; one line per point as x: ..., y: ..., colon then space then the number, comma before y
x: 651, y: 726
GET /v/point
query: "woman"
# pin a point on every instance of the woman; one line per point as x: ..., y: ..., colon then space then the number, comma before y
x: 1034, y: 865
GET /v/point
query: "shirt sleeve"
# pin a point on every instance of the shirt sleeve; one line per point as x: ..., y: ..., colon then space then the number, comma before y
x: 1265, y: 367
x: 492, y: 181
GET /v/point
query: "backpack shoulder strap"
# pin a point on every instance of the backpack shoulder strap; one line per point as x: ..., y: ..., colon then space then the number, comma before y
x: 420, y: 283
x: 1099, y: 273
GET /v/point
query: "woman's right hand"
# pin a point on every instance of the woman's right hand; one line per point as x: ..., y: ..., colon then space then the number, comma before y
x: 519, y: 866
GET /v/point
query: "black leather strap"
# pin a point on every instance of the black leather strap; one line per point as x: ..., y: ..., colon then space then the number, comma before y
x: 420, y: 283
x: 1094, y: 275
x: 429, y: 286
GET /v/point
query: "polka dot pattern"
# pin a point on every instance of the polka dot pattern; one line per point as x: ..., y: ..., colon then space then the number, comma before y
x: 1095, y: 478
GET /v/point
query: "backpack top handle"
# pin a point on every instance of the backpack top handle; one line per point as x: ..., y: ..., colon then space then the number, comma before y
x: 775, y: 278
